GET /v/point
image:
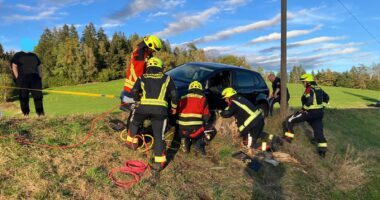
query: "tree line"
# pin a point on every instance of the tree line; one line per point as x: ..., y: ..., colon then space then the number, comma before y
x: 69, y: 58
x: 359, y: 77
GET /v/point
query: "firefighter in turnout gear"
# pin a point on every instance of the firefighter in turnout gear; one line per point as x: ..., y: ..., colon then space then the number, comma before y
x: 313, y: 102
x: 154, y: 90
x: 249, y: 119
x: 193, y: 116
x: 137, y: 65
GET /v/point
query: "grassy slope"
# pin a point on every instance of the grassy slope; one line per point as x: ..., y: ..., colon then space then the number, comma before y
x: 59, y: 104
x: 81, y: 173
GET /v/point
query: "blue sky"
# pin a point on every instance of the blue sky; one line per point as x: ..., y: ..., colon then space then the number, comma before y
x: 321, y: 34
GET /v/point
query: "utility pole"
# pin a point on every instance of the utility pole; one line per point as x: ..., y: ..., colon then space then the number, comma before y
x: 284, y: 74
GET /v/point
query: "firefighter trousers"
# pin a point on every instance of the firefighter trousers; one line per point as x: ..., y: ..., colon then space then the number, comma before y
x: 159, y: 123
x: 255, y: 133
x: 312, y: 117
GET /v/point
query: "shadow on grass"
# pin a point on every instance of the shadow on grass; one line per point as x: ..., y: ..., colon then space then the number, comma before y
x: 373, y: 100
x: 267, y: 181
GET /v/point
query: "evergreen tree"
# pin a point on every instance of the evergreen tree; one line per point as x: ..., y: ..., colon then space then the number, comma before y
x: 296, y: 73
x: 89, y: 37
x: 103, y: 49
x: 1, y: 50
x: 63, y: 33
x: 46, y: 51
x: 89, y: 64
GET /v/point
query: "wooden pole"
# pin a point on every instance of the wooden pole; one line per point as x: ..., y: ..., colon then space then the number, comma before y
x: 284, y: 74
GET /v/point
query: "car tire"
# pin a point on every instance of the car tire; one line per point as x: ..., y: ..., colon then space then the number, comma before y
x: 265, y: 108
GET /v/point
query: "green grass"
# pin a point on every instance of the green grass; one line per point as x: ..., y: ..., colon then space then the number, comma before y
x: 339, y: 97
x: 351, y: 169
x: 61, y: 104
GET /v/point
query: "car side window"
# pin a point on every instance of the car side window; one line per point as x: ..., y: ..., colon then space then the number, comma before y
x: 219, y: 81
x: 245, y: 79
x: 258, y: 81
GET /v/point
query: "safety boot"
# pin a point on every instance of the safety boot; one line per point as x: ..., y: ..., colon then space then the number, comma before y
x: 132, y: 142
x: 322, y: 154
x: 200, y: 147
x: 157, y: 167
x: 275, y: 143
x: 185, y: 145
x: 132, y: 146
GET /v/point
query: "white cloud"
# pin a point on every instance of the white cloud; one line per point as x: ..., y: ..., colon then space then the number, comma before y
x: 157, y: 14
x: 68, y: 2
x: 307, y: 61
x: 311, y: 41
x: 231, y: 5
x: 188, y: 22
x: 219, y: 48
x: 310, y: 16
x: 329, y: 46
x: 239, y: 29
x: 47, y: 13
x: 111, y: 25
x: 26, y: 7
x: 277, y: 36
x: 137, y: 6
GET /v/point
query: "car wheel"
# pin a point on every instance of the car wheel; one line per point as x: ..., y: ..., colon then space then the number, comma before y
x: 265, y: 108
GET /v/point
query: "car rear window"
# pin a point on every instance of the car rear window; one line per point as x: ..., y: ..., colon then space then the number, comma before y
x: 189, y: 73
x: 247, y: 79
x: 244, y: 79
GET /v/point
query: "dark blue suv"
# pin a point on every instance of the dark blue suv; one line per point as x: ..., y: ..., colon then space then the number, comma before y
x: 215, y: 77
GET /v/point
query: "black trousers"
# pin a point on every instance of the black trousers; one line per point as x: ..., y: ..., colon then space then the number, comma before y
x: 159, y: 123
x: 255, y: 133
x: 30, y: 81
x: 275, y: 100
x: 185, y: 133
x: 313, y: 117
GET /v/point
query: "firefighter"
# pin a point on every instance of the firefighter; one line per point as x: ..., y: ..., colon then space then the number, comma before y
x: 249, y: 119
x: 153, y: 90
x: 275, y: 96
x: 313, y: 102
x: 193, y: 119
x: 137, y: 65
x: 27, y: 72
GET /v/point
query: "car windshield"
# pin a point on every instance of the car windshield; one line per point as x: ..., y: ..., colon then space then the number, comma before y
x: 188, y: 73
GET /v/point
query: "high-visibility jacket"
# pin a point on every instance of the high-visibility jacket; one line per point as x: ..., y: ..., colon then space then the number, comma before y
x: 137, y: 66
x: 154, y: 90
x: 244, y: 112
x: 193, y: 111
x: 314, y: 98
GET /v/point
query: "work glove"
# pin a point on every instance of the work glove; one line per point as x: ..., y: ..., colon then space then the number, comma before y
x: 173, y: 111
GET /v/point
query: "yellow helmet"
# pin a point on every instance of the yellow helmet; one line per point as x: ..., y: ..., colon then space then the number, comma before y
x: 228, y: 92
x: 153, y: 42
x: 155, y: 62
x: 307, y: 78
x: 195, y: 85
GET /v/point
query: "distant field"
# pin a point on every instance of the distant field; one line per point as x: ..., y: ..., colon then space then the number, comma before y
x: 59, y: 104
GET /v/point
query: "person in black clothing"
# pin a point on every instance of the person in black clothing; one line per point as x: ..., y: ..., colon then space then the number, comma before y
x: 313, y: 103
x: 153, y: 90
x: 27, y: 72
x: 249, y: 119
x: 275, y: 96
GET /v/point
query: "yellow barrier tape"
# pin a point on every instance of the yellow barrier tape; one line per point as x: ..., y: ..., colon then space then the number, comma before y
x: 65, y: 92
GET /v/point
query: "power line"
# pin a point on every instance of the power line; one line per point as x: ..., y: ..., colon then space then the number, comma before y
x: 357, y: 20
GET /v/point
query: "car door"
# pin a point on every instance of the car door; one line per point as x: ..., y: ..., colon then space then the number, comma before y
x: 245, y: 83
x: 214, y: 87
